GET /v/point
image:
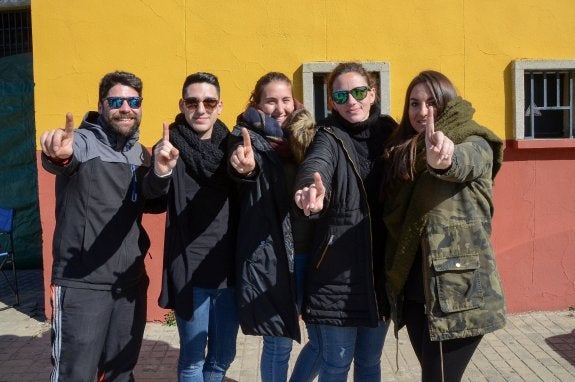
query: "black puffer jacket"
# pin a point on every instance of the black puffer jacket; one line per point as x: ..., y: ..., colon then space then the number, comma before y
x: 345, y: 284
x: 264, y: 253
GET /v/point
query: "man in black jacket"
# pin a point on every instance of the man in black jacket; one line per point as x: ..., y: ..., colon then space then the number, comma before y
x: 199, y: 251
x: 99, y: 281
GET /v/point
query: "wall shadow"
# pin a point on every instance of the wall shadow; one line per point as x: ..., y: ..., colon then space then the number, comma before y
x: 25, y: 338
x: 563, y: 345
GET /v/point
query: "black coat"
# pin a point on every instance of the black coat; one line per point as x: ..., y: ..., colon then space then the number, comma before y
x: 265, y: 254
x: 344, y: 285
x: 199, y: 238
x: 200, y: 200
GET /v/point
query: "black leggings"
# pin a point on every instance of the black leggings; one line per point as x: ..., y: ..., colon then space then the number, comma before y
x: 456, y: 353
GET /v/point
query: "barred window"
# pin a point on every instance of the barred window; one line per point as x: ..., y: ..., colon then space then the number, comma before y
x: 544, y: 99
x: 15, y: 32
x: 315, y: 88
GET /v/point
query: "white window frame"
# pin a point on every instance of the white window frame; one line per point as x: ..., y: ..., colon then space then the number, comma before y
x: 519, y: 68
x: 311, y: 68
x: 11, y: 4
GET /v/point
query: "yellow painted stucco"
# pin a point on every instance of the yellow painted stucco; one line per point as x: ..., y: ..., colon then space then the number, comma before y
x: 472, y: 41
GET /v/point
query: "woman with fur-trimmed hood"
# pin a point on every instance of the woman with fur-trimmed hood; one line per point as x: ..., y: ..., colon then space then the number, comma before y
x: 270, y: 138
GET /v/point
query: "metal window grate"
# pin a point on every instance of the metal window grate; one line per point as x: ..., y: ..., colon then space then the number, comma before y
x: 549, y: 103
x: 15, y: 32
x: 320, y: 96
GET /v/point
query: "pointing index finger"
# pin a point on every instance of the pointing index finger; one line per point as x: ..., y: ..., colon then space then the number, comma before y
x: 166, y: 131
x: 430, y: 126
x: 247, y: 139
x: 69, y: 127
x: 318, y: 183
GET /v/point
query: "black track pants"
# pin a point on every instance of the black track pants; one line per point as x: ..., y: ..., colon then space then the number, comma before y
x: 96, y: 333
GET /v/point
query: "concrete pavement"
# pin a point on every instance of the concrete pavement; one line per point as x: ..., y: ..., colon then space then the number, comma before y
x: 537, y: 346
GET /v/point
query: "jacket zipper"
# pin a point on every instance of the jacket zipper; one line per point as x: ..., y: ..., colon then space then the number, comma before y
x: 133, y: 198
x: 329, y: 130
x: 134, y: 181
x: 329, y: 243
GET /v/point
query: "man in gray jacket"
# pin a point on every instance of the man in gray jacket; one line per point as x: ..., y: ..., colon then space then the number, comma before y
x: 99, y: 281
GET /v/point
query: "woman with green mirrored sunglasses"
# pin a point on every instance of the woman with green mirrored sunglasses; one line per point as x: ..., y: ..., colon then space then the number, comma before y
x: 338, y: 182
x: 359, y: 93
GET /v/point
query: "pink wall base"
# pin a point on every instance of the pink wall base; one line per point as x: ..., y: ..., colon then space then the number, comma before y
x: 533, y: 231
x: 154, y: 225
x: 534, y: 228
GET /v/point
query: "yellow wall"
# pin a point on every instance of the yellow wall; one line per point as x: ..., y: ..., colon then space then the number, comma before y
x: 473, y: 42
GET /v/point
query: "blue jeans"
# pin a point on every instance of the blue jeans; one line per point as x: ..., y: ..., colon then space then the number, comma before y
x: 340, y: 345
x: 275, y: 358
x: 276, y: 350
x: 215, y: 324
x: 309, y: 360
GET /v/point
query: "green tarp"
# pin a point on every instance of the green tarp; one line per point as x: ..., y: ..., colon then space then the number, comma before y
x: 18, y: 172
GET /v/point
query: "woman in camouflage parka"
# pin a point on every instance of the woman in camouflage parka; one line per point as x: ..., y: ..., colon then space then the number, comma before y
x: 442, y: 281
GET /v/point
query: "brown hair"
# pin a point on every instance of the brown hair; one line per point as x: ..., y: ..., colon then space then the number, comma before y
x: 118, y: 77
x: 402, y: 148
x: 264, y: 80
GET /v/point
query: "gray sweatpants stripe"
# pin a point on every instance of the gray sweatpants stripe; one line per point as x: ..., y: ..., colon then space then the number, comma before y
x: 57, y: 331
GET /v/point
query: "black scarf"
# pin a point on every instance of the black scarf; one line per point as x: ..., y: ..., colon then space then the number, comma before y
x: 366, y: 136
x: 205, y: 159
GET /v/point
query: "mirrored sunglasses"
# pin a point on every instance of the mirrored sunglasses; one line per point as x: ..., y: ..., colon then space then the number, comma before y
x: 192, y: 103
x: 340, y: 97
x: 117, y: 102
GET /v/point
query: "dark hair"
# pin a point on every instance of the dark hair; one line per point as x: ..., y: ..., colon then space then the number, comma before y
x: 201, y: 77
x: 402, y: 147
x: 441, y: 88
x: 118, y: 77
x: 349, y: 67
x: 256, y: 95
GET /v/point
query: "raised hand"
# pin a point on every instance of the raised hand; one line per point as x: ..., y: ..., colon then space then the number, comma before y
x: 439, y: 148
x: 242, y: 158
x: 58, y: 144
x: 310, y: 199
x: 165, y: 154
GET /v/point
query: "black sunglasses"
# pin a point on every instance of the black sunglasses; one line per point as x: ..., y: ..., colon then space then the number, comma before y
x: 117, y: 102
x: 340, y: 97
x: 192, y: 103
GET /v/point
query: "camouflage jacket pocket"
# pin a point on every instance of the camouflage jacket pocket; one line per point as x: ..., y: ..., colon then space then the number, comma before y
x: 458, y: 285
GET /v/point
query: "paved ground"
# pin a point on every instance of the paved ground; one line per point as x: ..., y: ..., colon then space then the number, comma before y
x: 533, y: 347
